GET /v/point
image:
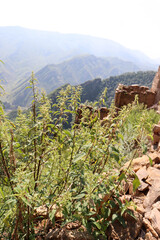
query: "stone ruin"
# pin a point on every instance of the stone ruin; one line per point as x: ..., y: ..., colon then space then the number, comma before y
x: 102, y: 112
x: 150, y: 97
x: 125, y: 95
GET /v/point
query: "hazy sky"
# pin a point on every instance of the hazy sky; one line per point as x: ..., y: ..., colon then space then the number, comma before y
x: 133, y: 23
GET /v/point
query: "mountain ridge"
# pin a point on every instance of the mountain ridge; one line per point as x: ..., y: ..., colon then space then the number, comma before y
x: 75, y: 71
x: 25, y: 50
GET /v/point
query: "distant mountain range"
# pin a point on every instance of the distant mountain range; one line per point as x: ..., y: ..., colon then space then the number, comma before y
x: 75, y: 71
x: 58, y: 58
x: 25, y: 50
x: 92, y: 90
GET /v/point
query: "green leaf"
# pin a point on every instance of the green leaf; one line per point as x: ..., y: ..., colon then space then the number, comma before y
x: 26, y: 201
x: 80, y: 196
x: 97, y: 224
x: 114, y: 217
x: 79, y: 157
x: 131, y: 213
x: 120, y: 136
x: 150, y: 160
x: 1, y: 191
x: 52, y: 216
x: 136, y: 183
x: 115, y: 155
x: 122, y: 176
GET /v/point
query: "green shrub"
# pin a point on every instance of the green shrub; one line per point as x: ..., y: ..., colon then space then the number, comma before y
x: 44, y: 164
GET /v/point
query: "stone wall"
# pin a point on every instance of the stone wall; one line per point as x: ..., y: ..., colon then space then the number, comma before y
x: 102, y: 112
x: 126, y: 94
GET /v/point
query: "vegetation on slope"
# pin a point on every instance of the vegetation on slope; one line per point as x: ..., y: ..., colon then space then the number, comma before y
x: 91, y: 90
x: 45, y: 165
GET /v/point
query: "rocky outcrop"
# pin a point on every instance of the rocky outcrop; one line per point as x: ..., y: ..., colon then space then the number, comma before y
x: 149, y: 97
x: 156, y: 86
x: 147, y: 196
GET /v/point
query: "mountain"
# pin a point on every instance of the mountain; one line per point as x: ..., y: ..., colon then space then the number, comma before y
x: 74, y: 71
x: 25, y: 50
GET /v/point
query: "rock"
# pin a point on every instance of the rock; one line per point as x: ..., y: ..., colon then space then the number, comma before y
x: 123, y: 198
x: 43, y: 211
x: 142, y: 173
x: 152, y: 196
x: 157, y: 166
x: 65, y: 234
x: 149, y: 227
x: 73, y: 225
x: 140, y: 209
x: 103, y: 112
x: 155, y: 156
x: 156, y: 86
x: 143, y: 186
x: 53, y: 234
x: 149, y: 236
x: 130, y: 232
x: 138, y: 163
x: 156, y: 205
x: 153, y: 175
x: 156, y: 129
x: 155, y: 220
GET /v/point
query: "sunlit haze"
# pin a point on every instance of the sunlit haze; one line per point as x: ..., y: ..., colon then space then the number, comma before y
x: 133, y: 23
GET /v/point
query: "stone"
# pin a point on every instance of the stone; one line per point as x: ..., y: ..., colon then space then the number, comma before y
x: 65, y: 234
x: 102, y: 112
x: 140, y: 209
x: 130, y: 232
x: 156, y: 86
x: 155, y: 220
x: 152, y: 196
x: 149, y: 227
x: 155, y: 156
x: 156, y: 205
x: 149, y: 236
x: 126, y: 94
x: 156, y: 129
x: 156, y: 138
x: 138, y: 163
x: 125, y: 198
x: 143, y: 186
x: 43, y: 211
x: 149, y: 97
x: 142, y: 173
x: 153, y: 176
